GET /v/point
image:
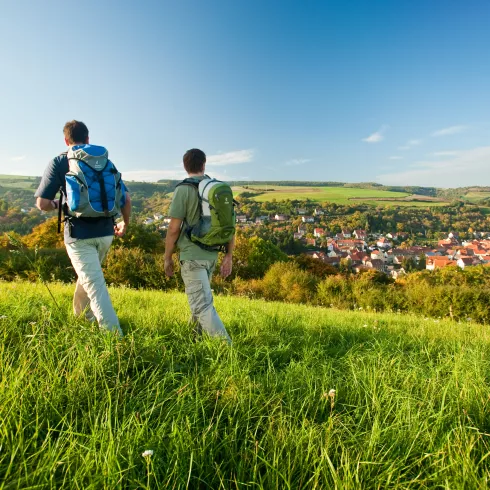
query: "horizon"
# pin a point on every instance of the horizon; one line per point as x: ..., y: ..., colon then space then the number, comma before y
x: 279, y: 182
x: 390, y: 93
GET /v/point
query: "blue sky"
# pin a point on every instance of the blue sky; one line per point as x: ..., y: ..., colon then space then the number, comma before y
x: 395, y: 92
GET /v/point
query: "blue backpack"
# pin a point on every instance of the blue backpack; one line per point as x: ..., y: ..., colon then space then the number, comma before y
x: 94, y: 187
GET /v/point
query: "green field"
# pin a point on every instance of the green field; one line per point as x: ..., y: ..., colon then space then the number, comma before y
x: 19, y: 182
x: 476, y: 196
x: 78, y: 408
x: 338, y: 195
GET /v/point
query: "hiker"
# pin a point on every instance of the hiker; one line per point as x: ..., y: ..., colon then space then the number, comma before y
x: 202, y: 224
x: 92, y: 195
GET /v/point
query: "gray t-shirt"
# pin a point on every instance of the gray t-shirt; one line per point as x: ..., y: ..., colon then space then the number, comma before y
x: 75, y: 228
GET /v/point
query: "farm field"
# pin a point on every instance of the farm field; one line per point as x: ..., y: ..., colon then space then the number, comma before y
x: 476, y: 195
x: 18, y: 182
x: 339, y: 195
x: 79, y: 408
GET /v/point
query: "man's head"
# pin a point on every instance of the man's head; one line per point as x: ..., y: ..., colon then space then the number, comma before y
x: 194, y: 161
x: 76, y: 133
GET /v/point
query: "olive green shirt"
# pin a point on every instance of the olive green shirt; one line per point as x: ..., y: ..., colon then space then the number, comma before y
x: 185, y: 206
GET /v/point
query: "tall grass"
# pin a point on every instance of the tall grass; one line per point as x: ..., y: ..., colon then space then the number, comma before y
x: 79, y: 407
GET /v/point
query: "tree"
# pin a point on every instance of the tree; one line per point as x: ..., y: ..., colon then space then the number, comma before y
x: 45, y: 235
x: 253, y: 256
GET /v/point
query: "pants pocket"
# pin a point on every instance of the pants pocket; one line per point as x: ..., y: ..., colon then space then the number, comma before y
x: 196, y: 296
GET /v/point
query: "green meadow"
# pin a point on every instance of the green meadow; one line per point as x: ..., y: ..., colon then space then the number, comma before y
x: 78, y: 407
x: 338, y: 195
x: 18, y: 182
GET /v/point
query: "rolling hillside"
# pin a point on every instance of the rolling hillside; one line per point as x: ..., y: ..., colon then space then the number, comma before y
x: 79, y: 408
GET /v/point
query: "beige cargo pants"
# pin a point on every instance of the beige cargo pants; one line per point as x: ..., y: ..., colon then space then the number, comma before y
x: 196, y: 275
x: 91, y: 295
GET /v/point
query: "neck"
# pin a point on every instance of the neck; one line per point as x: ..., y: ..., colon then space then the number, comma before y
x: 201, y: 174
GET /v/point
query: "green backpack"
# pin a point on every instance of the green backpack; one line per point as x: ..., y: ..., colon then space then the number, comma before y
x: 217, y: 223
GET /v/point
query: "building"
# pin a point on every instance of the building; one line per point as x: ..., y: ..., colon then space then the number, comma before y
x: 464, y: 262
x: 434, y: 263
x: 384, y: 243
x: 280, y: 217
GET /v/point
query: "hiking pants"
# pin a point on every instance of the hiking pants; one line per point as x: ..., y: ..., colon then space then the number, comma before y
x: 91, y: 295
x: 196, y: 275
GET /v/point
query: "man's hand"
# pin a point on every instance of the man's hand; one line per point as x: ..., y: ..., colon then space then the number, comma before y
x: 120, y: 229
x: 169, y: 267
x: 226, y: 265
x: 47, y: 204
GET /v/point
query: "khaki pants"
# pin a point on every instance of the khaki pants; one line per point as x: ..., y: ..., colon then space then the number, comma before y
x: 196, y: 275
x: 91, y: 295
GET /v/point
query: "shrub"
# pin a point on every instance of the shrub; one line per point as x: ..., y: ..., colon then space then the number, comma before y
x: 287, y: 282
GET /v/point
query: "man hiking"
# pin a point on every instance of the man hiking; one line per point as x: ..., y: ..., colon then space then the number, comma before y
x: 93, y: 194
x: 202, y: 223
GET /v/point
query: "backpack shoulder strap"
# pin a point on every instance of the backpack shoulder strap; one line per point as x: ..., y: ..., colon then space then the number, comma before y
x: 61, y: 203
x: 190, y: 182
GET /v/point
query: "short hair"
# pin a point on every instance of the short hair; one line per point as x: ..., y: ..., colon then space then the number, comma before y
x: 75, y: 132
x: 194, y: 161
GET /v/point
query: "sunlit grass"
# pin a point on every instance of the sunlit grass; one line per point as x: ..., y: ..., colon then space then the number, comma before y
x: 78, y: 407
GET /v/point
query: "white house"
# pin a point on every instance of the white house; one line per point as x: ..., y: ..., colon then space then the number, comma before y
x: 464, y: 262
x: 378, y: 255
x: 384, y: 243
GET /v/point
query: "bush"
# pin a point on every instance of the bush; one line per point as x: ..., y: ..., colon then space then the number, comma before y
x: 287, y: 282
x: 135, y: 268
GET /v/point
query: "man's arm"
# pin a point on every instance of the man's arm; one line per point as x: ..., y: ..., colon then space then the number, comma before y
x: 173, y: 233
x: 121, y: 227
x: 47, y: 204
x: 49, y: 186
x: 227, y: 263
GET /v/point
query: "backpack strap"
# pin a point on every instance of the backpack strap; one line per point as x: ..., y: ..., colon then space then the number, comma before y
x: 190, y: 182
x: 62, y: 201
x: 195, y: 184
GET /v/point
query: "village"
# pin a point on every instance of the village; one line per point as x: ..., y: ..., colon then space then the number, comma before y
x: 358, y: 250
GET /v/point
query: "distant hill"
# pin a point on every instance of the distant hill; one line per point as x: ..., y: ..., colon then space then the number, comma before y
x: 20, y: 188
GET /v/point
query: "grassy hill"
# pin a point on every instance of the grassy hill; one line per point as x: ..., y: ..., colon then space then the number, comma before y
x: 339, y: 195
x: 19, y: 182
x: 78, y: 408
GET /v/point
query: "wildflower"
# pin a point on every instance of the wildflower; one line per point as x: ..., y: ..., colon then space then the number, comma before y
x: 332, y: 393
x: 360, y: 307
x: 468, y: 319
x: 365, y: 326
x: 148, y: 453
x: 3, y: 317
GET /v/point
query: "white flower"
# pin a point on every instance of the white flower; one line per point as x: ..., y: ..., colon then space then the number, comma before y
x: 148, y: 453
x: 3, y: 317
x: 332, y: 393
x: 365, y: 326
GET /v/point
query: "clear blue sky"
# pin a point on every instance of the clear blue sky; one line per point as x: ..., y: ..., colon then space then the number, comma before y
x: 396, y: 91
